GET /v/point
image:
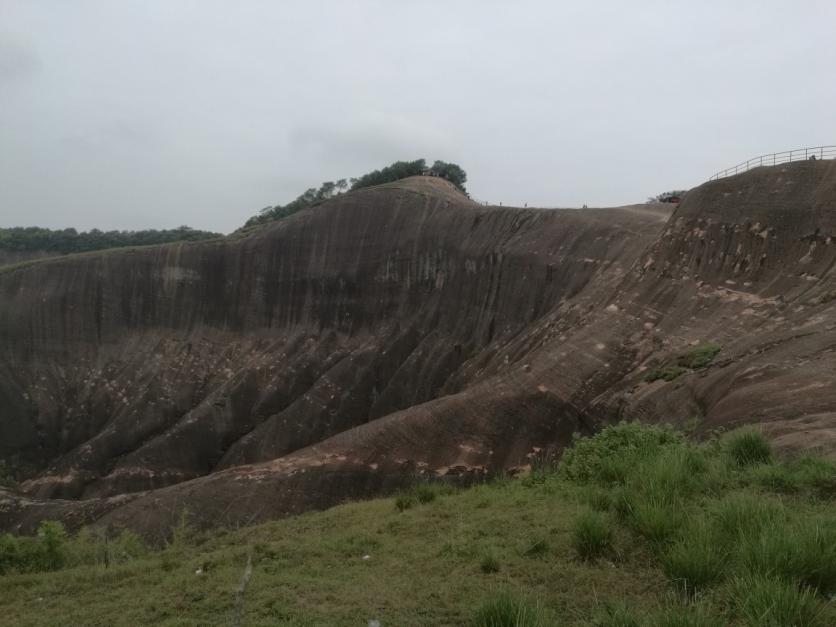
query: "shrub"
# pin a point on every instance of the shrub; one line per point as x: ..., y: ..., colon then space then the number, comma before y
x: 666, y: 373
x: 43, y: 552
x: 607, y: 456
x: 699, y: 356
x: 748, y: 447
x: 762, y: 601
x: 592, y: 535
x: 52, y: 553
x: 508, y: 611
x: 694, y: 359
x: 697, y: 559
x: 489, y: 563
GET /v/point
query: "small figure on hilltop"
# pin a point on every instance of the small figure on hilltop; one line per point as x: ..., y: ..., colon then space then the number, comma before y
x: 813, y: 158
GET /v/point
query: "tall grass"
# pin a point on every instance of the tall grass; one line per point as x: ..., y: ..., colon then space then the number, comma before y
x: 748, y: 447
x: 762, y: 601
x: 592, y: 535
x: 698, y: 558
x: 506, y: 610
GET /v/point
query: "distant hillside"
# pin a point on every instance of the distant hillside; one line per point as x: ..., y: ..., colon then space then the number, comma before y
x: 23, y: 243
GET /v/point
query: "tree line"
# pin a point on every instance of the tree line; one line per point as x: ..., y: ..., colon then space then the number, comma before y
x: 391, y: 173
x: 65, y: 241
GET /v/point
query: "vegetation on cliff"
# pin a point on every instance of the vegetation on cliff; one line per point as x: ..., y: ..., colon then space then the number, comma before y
x: 35, y: 239
x: 391, y: 173
x: 635, y: 526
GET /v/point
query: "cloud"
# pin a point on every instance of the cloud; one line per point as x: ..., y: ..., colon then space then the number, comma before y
x: 18, y: 61
x: 371, y: 140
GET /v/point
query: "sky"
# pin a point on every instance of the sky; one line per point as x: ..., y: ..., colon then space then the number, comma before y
x: 118, y: 114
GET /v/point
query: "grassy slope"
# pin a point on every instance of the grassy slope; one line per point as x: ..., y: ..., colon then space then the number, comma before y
x: 425, y: 564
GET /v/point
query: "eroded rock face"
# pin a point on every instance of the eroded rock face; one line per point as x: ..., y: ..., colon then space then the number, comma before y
x: 404, y: 329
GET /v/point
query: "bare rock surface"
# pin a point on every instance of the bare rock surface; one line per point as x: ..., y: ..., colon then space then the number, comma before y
x: 404, y: 330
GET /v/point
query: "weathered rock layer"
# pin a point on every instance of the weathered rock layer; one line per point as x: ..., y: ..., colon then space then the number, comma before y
x: 403, y: 330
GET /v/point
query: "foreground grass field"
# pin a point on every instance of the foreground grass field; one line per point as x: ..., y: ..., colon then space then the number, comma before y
x: 635, y: 527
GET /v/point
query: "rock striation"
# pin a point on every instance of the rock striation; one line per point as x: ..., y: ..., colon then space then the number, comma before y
x: 401, y: 331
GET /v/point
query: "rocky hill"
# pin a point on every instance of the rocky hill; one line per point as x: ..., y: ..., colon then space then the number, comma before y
x: 405, y: 330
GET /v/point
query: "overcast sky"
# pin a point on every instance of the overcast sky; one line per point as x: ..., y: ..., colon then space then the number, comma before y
x: 128, y: 114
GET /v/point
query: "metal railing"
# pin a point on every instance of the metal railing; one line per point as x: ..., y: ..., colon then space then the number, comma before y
x: 776, y: 158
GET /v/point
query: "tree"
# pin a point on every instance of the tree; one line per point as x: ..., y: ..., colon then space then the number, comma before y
x: 64, y: 241
x: 389, y: 174
x: 452, y: 172
x: 329, y: 189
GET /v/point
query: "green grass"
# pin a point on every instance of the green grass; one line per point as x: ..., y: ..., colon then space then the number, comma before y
x: 507, y: 610
x: 695, y: 358
x: 699, y: 356
x: 697, y: 558
x: 691, y: 538
x: 667, y: 372
x: 592, y: 535
x: 762, y: 601
x: 489, y: 563
x: 748, y: 447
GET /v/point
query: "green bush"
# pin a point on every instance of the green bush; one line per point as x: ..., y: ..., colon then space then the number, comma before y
x: 748, y: 447
x: 666, y: 373
x: 506, y: 610
x: 762, y: 601
x: 694, y: 359
x: 43, y: 552
x: 592, y: 535
x: 607, y: 457
x: 699, y: 356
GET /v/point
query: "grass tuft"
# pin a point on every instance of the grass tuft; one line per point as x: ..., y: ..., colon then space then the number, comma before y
x: 508, y: 611
x: 592, y: 535
x: 696, y: 560
x: 748, y: 447
x: 489, y: 563
x: 798, y: 552
x: 762, y: 601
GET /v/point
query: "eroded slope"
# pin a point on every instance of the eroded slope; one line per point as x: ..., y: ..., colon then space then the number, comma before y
x: 402, y: 330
